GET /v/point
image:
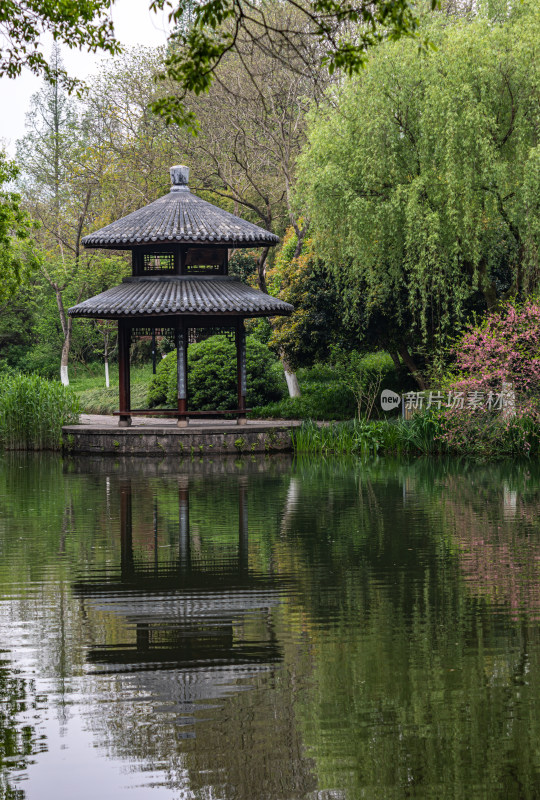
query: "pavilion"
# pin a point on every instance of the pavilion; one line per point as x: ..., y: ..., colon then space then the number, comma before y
x: 180, y: 287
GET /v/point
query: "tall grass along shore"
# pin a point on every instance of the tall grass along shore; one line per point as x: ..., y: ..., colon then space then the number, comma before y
x: 33, y: 411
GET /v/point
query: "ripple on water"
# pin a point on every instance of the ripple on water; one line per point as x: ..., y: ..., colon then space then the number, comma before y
x: 269, y: 631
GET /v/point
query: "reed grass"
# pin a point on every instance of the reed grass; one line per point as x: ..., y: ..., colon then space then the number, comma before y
x: 364, y: 438
x: 33, y: 411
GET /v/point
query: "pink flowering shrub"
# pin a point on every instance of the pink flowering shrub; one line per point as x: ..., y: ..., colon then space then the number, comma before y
x: 503, y: 348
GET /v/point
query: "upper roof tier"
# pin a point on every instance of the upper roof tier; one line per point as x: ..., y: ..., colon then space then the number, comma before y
x: 180, y: 217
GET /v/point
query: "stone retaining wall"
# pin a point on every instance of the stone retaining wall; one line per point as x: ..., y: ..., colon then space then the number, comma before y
x: 169, y: 441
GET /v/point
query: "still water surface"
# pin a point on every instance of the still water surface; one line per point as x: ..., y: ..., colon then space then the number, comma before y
x: 268, y: 630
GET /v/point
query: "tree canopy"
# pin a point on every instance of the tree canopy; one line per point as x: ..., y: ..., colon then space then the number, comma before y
x: 422, y: 178
x: 337, y: 32
x: 15, y: 227
x: 82, y: 24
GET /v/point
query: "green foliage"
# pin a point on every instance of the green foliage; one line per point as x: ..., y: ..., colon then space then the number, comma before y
x: 83, y: 24
x: 317, y: 322
x: 365, y: 376
x: 33, y: 411
x: 327, y: 396
x: 491, y: 436
x: 212, y: 377
x: 345, y: 31
x: 88, y: 383
x: 165, y: 377
x: 355, y: 437
x: 212, y: 374
x: 243, y: 264
x: 105, y: 401
x: 323, y: 398
x: 426, y: 433
x: 15, y: 226
x: 419, y: 179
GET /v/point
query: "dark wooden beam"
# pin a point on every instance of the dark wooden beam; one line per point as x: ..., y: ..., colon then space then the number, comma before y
x: 124, y: 343
x: 241, y: 370
x: 243, y: 562
x: 127, y: 564
x: 181, y: 372
x: 183, y: 520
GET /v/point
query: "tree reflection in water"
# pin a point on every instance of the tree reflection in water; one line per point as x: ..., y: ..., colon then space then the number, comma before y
x: 275, y: 631
x: 19, y: 740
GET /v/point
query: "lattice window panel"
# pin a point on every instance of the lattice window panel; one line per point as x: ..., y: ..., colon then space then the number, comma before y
x: 158, y: 262
x: 200, y: 334
x: 197, y: 269
x: 169, y: 333
x: 194, y: 334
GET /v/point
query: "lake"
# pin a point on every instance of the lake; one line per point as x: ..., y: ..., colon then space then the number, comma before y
x: 268, y: 629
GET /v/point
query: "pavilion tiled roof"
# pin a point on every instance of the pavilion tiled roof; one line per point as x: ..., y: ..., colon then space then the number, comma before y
x: 152, y: 296
x: 180, y: 217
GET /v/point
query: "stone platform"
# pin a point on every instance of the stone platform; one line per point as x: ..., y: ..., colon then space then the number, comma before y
x: 101, y: 435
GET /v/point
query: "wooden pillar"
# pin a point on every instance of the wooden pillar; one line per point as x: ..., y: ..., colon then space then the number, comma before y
x: 124, y: 343
x: 156, y: 538
x: 241, y: 370
x: 184, y: 549
x: 153, y: 351
x: 126, y: 531
x: 242, y: 525
x: 181, y: 371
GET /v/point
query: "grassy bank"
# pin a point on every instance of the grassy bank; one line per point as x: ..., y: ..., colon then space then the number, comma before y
x: 323, y: 398
x: 486, y: 437
x: 95, y: 398
x: 364, y: 438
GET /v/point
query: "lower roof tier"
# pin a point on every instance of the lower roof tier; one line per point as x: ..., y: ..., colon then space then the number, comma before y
x: 152, y: 296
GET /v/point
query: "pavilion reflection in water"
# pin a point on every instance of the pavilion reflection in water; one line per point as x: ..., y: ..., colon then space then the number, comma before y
x: 199, y: 628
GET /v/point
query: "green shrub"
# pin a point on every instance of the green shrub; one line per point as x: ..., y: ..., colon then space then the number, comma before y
x: 326, y: 397
x: 489, y: 435
x: 33, y: 411
x: 365, y: 375
x: 212, y: 382
x: 164, y: 377
x: 321, y: 402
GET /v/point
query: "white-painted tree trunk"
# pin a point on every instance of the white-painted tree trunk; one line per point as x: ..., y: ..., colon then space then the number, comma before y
x: 107, y: 374
x: 292, y: 384
x: 290, y: 376
x: 67, y: 323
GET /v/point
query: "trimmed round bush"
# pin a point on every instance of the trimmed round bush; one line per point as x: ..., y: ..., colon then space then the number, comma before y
x: 159, y: 385
x: 212, y: 382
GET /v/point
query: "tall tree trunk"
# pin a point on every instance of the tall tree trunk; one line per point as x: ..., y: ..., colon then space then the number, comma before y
x: 409, y: 362
x: 64, y: 377
x: 290, y: 376
x: 67, y: 324
x: 395, y: 359
x: 261, y: 270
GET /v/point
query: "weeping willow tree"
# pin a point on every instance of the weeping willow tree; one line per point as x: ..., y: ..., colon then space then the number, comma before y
x: 422, y: 180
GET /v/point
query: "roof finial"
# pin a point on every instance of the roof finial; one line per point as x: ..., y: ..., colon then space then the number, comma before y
x: 179, y: 177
